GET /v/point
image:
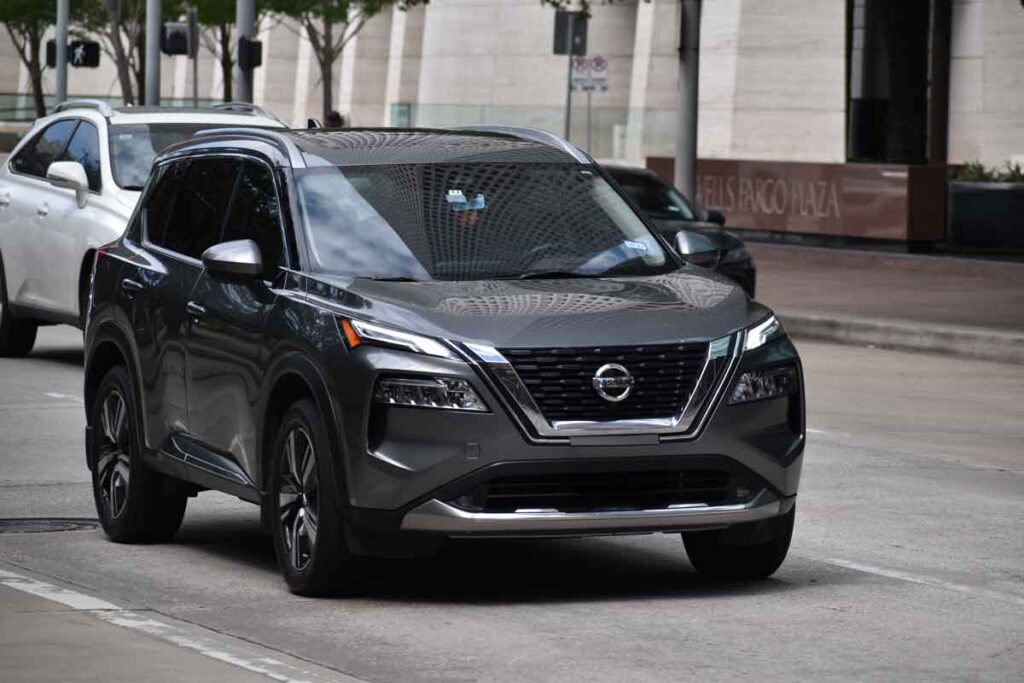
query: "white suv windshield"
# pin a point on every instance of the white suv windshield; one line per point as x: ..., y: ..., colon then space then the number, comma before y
x: 476, y: 221
x: 133, y: 147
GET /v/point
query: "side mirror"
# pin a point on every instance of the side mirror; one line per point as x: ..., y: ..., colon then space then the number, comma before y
x: 712, y: 216
x: 237, y: 259
x: 313, y: 124
x: 71, y: 176
x: 689, y: 242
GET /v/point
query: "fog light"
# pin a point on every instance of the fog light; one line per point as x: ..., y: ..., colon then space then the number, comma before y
x: 757, y: 385
x: 429, y: 392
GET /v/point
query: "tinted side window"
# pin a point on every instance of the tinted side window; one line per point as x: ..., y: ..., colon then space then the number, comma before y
x: 160, y: 200
x: 255, y: 215
x: 85, y: 149
x: 200, y: 204
x: 46, y: 148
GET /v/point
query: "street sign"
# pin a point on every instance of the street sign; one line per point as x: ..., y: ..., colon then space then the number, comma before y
x: 590, y: 73
x: 85, y: 53
x: 578, y: 39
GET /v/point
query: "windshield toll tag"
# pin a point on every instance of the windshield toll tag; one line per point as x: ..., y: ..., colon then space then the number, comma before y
x: 636, y: 246
x: 457, y: 201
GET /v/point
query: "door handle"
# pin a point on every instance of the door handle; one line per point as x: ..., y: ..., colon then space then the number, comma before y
x: 131, y: 285
x: 195, y: 309
x: 5, y: 200
x: 42, y: 210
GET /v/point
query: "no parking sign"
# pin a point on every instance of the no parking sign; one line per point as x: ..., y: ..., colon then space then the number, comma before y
x: 590, y: 73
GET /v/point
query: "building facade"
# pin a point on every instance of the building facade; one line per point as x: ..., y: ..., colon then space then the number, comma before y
x: 830, y: 81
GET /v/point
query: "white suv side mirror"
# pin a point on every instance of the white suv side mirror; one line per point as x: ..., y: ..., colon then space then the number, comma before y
x: 70, y: 175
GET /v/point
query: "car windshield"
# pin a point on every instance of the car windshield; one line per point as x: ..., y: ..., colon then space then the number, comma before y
x: 657, y: 199
x: 475, y: 221
x: 133, y: 147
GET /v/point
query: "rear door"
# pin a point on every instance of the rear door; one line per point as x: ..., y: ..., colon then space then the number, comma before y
x: 183, y: 217
x: 226, y: 335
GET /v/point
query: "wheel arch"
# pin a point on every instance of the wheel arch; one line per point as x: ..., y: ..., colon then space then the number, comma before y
x: 291, y: 379
x: 84, y: 275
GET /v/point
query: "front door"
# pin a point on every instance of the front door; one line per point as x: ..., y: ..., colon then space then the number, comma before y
x: 183, y: 217
x: 226, y: 332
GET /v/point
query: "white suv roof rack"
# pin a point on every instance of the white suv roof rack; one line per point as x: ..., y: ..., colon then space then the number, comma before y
x: 99, y: 105
x: 535, y: 135
x: 247, y: 108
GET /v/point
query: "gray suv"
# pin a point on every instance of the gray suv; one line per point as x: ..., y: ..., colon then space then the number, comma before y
x: 389, y: 338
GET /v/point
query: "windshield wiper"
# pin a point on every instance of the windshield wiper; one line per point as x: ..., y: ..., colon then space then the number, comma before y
x: 550, y: 275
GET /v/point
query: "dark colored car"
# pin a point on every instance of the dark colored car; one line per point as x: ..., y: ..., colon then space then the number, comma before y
x: 391, y: 338
x: 698, y: 235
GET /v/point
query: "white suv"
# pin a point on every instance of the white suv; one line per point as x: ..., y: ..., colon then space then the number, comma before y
x: 70, y: 187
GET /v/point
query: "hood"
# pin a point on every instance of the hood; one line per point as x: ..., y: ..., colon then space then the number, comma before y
x: 690, y: 303
x: 701, y: 236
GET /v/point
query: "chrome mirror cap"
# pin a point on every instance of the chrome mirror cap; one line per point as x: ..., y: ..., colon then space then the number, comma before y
x: 238, y: 258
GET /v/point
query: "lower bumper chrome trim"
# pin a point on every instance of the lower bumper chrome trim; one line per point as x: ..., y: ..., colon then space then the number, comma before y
x: 436, y: 516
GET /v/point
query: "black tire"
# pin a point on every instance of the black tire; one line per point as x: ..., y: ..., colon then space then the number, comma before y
x: 135, y: 504
x: 17, y: 336
x: 717, y: 555
x: 305, y: 507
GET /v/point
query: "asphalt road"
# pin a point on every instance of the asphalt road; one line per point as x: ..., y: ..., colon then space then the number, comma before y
x: 907, y: 562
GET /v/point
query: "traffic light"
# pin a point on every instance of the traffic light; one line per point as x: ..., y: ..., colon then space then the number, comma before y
x: 250, y: 53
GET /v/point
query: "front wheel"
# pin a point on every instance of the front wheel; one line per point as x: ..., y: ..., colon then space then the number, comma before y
x: 717, y: 554
x: 134, y: 503
x: 305, y: 507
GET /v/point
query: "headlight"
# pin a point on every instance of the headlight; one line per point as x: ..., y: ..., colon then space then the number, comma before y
x: 763, y: 332
x: 429, y: 392
x: 358, y: 332
x: 757, y: 385
x: 736, y: 255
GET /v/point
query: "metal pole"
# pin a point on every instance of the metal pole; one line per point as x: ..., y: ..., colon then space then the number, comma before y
x: 245, y: 22
x: 193, y: 37
x: 590, y: 149
x: 61, y: 93
x: 689, y: 72
x: 570, y: 30
x: 152, y: 52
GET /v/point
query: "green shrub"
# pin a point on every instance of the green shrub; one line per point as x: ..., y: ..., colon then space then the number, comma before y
x: 977, y: 172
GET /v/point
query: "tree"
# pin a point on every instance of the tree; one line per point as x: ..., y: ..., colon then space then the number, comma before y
x: 26, y: 22
x: 330, y: 25
x: 120, y: 26
x: 217, y: 17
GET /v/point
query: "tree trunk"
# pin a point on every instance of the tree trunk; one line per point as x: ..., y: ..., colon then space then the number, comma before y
x: 327, y: 68
x: 227, y: 64
x: 139, y: 51
x: 35, y: 73
x: 124, y: 75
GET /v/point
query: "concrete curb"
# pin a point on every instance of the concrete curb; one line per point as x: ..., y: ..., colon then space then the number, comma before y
x: 968, y: 342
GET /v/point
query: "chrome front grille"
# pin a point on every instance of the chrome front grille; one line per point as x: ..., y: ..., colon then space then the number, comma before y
x: 560, y: 380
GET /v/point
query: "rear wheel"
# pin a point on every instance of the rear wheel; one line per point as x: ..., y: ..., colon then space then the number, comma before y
x: 305, y: 507
x: 134, y: 503
x: 721, y: 555
x: 17, y: 336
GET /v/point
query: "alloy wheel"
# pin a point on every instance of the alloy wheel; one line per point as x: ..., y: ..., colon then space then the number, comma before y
x: 113, y: 464
x: 298, y: 498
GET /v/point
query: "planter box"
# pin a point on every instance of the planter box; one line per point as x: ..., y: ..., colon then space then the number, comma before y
x: 985, y: 215
x: 881, y: 202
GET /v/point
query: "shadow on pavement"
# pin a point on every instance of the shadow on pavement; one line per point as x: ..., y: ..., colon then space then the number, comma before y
x: 69, y: 356
x: 501, y: 571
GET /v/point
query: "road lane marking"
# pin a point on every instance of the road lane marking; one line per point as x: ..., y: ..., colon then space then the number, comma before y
x: 76, y: 601
x: 64, y: 397
x: 219, y: 646
x: 924, y: 580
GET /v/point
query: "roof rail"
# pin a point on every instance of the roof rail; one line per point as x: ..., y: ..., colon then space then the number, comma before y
x: 534, y: 135
x: 247, y: 108
x: 266, y: 134
x: 99, y: 105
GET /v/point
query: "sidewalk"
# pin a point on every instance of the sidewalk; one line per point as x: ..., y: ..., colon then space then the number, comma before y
x: 964, y: 307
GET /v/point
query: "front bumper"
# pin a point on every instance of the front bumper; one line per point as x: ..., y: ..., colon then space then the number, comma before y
x: 435, y: 516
